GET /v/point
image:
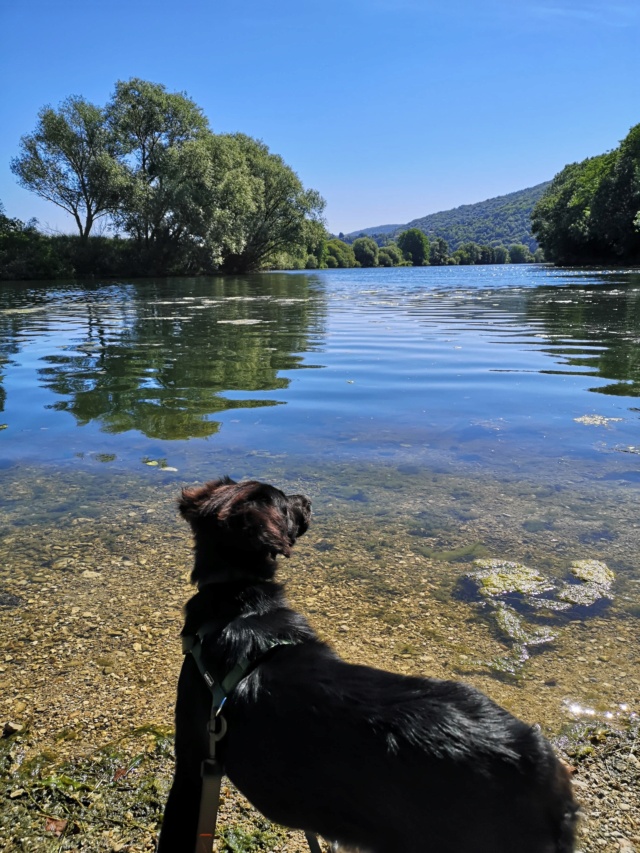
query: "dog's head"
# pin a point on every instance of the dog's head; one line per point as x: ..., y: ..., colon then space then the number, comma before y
x: 250, y: 520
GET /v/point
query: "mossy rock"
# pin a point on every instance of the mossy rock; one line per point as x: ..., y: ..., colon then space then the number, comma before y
x: 511, y: 624
x: 581, y: 594
x: 593, y: 571
x: 500, y: 577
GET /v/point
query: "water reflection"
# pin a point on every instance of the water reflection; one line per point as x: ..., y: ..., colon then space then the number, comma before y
x: 595, y: 330
x: 164, y: 357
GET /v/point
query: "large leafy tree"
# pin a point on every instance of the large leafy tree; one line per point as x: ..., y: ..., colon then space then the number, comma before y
x: 276, y: 218
x: 415, y: 246
x: 153, y: 127
x: 72, y: 159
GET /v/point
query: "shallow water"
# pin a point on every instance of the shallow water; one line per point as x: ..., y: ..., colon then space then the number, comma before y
x: 435, y: 416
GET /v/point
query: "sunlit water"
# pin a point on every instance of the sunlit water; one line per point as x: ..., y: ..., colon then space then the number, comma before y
x: 458, y: 412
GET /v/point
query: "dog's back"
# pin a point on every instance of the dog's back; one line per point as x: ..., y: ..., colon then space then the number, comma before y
x: 391, y: 763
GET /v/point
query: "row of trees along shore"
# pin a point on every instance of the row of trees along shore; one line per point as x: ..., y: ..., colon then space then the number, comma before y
x: 590, y: 214
x: 177, y: 198
x: 413, y: 248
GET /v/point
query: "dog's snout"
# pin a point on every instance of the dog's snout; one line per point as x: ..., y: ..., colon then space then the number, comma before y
x: 301, y: 507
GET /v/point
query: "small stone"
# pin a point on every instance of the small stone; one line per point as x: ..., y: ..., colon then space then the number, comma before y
x: 90, y: 574
x: 18, y: 792
x: 137, y: 647
x: 11, y: 728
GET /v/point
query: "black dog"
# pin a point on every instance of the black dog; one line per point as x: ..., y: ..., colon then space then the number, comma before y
x: 382, y: 762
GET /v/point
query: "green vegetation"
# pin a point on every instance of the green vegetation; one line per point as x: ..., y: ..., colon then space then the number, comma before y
x: 591, y: 211
x: 184, y: 199
x: 498, y: 222
x: 366, y: 252
x: 414, y: 246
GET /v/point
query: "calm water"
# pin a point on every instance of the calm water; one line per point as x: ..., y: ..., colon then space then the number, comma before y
x: 490, y: 364
x: 490, y: 408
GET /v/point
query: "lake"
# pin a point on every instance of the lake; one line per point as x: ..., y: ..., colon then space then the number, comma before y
x: 437, y: 417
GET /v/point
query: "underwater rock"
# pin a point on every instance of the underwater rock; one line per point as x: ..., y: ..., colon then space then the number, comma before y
x: 548, y: 604
x: 511, y: 624
x: 498, y: 577
x: 593, y: 571
x: 584, y: 594
x: 596, y: 579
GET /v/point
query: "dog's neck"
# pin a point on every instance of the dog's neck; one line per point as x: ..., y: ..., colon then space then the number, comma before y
x: 227, y: 577
x: 221, y: 568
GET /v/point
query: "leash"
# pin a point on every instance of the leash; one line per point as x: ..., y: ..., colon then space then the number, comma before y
x: 211, y: 769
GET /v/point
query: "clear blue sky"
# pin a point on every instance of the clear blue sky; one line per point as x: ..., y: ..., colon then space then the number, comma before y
x: 392, y: 109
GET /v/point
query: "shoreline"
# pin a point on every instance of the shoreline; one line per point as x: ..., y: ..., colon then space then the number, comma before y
x: 92, y: 610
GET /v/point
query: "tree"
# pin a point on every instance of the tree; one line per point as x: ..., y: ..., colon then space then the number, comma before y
x: 500, y: 255
x: 615, y: 208
x: 562, y: 219
x: 520, y: 254
x: 341, y: 252
x: 438, y: 251
x: 277, y: 217
x: 468, y: 253
x: 152, y: 126
x: 414, y: 246
x: 366, y: 251
x: 390, y: 255
x: 73, y: 160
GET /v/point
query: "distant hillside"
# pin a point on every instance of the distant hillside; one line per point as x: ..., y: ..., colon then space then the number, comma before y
x: 503, y: 220
x: 374, y: 232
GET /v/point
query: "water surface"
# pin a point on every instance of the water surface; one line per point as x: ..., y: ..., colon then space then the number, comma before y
x: 439, y: 414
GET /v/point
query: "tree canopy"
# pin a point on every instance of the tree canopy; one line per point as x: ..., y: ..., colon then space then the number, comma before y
x: 72, y: 159
x: 186, y: 198
x: 366, y: 251
x: 414, y: 246
x: 591, y: 211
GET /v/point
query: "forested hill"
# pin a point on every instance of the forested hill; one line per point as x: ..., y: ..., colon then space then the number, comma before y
x: 503, y: 220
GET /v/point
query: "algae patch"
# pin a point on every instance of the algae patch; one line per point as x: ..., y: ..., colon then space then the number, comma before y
x: 505, y: 586
x: 498, y: 577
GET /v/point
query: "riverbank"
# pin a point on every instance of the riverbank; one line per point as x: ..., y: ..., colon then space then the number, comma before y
x: 91, y: 611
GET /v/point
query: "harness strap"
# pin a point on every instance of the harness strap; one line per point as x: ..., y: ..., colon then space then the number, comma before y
x: 211, y: 769
x: 209, y: 798
x: 312, y: 841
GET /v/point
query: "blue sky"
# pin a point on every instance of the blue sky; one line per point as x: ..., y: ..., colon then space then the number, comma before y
x: 392, y: 109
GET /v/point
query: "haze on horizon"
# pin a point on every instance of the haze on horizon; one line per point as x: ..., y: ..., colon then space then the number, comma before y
x: 391, y: 109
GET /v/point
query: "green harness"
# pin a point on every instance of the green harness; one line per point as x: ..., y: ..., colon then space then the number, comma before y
x: 211, y: 769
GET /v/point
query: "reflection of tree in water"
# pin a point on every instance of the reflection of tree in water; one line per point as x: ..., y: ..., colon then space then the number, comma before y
x: 163, y: 366
x: 600, y: 326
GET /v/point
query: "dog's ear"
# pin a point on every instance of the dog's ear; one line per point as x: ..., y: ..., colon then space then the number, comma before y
x: 262, y: 526
x: 198, y: 501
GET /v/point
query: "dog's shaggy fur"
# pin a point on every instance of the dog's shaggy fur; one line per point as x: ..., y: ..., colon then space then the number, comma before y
x: 382, y: 762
